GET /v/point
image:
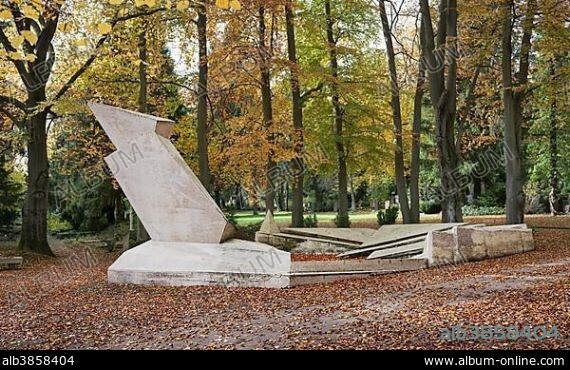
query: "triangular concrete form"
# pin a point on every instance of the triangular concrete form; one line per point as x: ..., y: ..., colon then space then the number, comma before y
x: 168, y: 198
x: 269, y: 226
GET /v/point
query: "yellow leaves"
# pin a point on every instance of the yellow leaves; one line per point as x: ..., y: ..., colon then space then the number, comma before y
x: 17, y: 41
x: 228, y: 4
x: 183, y: 5
x: 30, y: 58
x: 115, y: 2
x: 30, y: 36
x: 5, y: 15
x: 64, y: 27
x: 104, y: 28
x: 29, y: 11
x: 141, y: 3
x: 81, y: 42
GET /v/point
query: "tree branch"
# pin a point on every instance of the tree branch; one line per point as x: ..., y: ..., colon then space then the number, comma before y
x: 98, y: 48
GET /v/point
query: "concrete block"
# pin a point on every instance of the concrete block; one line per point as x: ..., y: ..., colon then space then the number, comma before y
x: 11, y: 263
x: 231, y: 264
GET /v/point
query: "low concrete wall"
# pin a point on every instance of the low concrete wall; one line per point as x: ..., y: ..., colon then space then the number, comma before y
x: 11, y: 263
x: 465, y: 244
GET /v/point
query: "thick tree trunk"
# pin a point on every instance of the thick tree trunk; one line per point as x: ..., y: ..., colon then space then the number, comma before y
x: 338, y: 118
x: 202, y: 91
x: 399, y: 164
x: 266, y: 96
x: 513, y: 115
x: 443, y: 92
x: 416, y: 146
x: 142, y: 234
x: 298, y: 164
x: 35, y: 210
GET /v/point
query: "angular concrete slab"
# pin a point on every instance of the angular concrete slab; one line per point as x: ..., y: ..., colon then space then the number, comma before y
x: 236, y: 263
x: 186, y: 226
x: 404, y: 250
x: 467, y: 244
x: 345, y: 235
x: 392, y: 233
x: 369, y: 250
x: 168, y: 198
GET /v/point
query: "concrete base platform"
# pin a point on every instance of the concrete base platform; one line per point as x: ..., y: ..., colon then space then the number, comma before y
x: 231, y: 264
x: 11, y: 263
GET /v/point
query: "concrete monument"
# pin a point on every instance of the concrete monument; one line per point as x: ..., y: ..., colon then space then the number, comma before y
x: 190, y: 236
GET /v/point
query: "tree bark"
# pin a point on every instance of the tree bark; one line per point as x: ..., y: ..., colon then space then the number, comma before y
x: 443, y: 92
x: 202, y: 91
x: 142, y: 234
x: 416, y: 139
x: 513, y: 97
x: 399, y: 164
x: 35, y: 211
x: 266, y: 95
x: 297, y: 165
x: 338, y: 118
x: 554, y: 195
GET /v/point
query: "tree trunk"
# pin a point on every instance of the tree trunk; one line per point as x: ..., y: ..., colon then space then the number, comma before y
x: 338, y: 114
x: 416, y: 144
x: 352, y: 195
x: 513, y: 116
x: 266, y: 96
x: 443, y: 92
x: 554, y: 196
x: 399, y: 164
x: 142, y: 234
x: 35, y: 210
x: 298, y: 164
x: 202, y: 91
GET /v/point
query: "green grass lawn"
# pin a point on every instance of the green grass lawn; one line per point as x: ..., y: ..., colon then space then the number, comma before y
x: 247, y: 218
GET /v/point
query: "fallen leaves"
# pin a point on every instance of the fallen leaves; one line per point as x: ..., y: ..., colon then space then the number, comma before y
x: 391, y: 311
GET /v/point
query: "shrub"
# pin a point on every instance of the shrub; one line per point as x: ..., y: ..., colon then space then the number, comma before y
x: 311, y: 221
x: 342, y: 221
x: 482, y: 211
x: 430, y: 208
x: 389, y: 216
x: 11, y: 191
x: 247, y: 232
x: 58, y: 225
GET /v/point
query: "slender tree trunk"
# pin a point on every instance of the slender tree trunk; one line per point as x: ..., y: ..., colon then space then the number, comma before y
x: 142, y: 234
x: 352, y: 195
x: 416, y: 143
x: 399, y: 164
x: 513, y: 149
x: 35, y: 210
x: 202, y: 91
x: 297, y: 165
x: 554, y: 196
x: 338, y: 114
x: 266, y: 95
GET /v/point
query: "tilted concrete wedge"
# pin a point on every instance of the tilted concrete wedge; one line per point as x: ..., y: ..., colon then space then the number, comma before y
x: 189, y: 233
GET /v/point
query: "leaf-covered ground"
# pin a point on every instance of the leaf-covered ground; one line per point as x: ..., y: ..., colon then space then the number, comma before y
x: 66, y: 303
